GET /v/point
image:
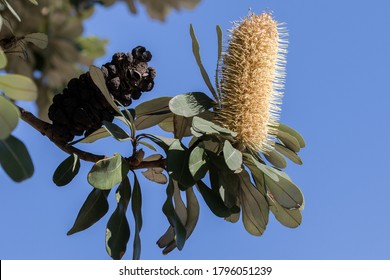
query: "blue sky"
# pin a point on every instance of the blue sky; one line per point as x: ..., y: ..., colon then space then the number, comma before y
x: 336, y: 96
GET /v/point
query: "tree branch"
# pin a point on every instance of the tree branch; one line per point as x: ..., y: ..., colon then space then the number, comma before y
x: 46, y: 129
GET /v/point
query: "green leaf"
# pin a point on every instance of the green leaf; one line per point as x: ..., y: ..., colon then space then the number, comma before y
x: 167, y: 124
x: 286, y: 193
x: 155, y: 106
x: 174, y: 220
x: 155, y: 175
x: 253, y: 164
x: 117, y: 132
x: 92, y: 46
x: 207, y: 127
x: 288, y: 153
x: 93, y: 209
x: 98, y: 79
x: 291, y: 218
x: 233, y: 157
x: 224, y: 181
x: 15, y: 159
x: 150, y: 146
x: 118, y: 230
x: 276, y: 159
x: 106, y: 173
x: 9, y: 117
x: 163, y: 142
x: 67, y: 170
x: 289, y: 141
x: 292, y: 132
x: 196, y: 52
x: 146, y: 121
x: 136, y: 205
x: 38, y: 39
x: 181, y: 126
x: 127, y: 115
x: 117, y: 234
x: 96, y: 135
x: 34, y: 2
x: 254, y: 206
x: 214, y: 201
x: 190, y: 104
x: 153, y: 157
x: 192, y: 211
x: 127, y: 118
x: 219, y: 37
x: 18, y: 87
x: 177, y: 164
x: 198, y: 163
x: 168, y: 239
x: 3, y: 58
x: 9, y: 7
x: 123, y: 193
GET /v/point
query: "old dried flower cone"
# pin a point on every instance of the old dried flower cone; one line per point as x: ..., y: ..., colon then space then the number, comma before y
x: 252, y: 79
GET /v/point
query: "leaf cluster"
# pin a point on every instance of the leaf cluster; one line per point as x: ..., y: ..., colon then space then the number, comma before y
x: 241, y: 183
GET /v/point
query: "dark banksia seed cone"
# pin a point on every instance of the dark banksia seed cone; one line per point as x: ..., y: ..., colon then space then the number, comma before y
x: 81, y: 108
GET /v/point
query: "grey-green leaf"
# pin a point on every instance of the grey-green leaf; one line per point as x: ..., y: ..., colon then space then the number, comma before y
x: 117, y: 234
x: 167, y: 124
x: 198, y: 163
x: 3, y: 58
x: 292, y: 132
x: 163, y: 142
x: 136, y: 205
x: 174, y: 220
x: 18, y: 87
x: 214, y: 201
x: 207, y: 127
x: 289, y: 141
x: 286, y: 193
x: 190, y: 104
x: 291, y: 218
x: 254, y: 206
x: 118, y: 230
x: 253, y: 164
x: 196, y: 52
x: 117, y: 132
x: 146, y: 121
x: 9, y: 117
x: 276, y: 159
x: 155, y: 175
x: 233, y: 157
x: 181, y: 126
x: 155, y: 106
x: 146, y: 144
x: 93, y: 209
x: 11, y: 10
x: 98, y: 79
x: 219, y: 37
x: 96, y: 135
x: 67, y: 170
x: 288, y: 153
x: 107, y: 173
x: 38, y: 39
x: 15, y: 159
x: 177, y: 164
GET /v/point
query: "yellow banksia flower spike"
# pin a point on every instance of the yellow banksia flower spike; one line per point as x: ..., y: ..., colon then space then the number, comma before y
x: 252, y: 79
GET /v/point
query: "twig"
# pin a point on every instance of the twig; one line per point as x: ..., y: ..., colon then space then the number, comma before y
x: 46, y: 129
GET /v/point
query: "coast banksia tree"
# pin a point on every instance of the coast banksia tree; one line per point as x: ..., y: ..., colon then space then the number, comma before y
x: 234, y: 159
